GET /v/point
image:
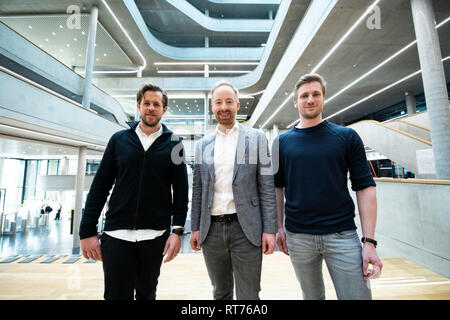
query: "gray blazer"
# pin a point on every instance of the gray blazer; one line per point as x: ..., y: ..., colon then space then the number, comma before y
x: 253, y: 185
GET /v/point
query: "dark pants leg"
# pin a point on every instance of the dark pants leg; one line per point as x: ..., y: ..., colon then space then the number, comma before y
x: 131, y: 265
x: 229, y: 255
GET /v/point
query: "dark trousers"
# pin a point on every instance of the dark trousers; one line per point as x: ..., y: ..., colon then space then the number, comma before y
x: 130, y: 266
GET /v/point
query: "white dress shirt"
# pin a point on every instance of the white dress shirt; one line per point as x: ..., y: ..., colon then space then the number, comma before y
x: 141, y: 234
x: 224, y: 154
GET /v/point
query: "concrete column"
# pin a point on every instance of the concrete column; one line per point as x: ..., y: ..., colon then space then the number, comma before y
x: 434, y: 84
x: 206, y: 113
x: 410, y: 103
x: 90, y: 51
x: 2, y: 161
x: 275, y: 131
x: 79, y: 189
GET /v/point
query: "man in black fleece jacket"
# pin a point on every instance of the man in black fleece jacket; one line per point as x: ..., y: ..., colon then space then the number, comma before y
x: 145, y: 165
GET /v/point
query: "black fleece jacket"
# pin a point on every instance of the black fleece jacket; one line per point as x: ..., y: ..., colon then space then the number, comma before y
x: 150, y: 187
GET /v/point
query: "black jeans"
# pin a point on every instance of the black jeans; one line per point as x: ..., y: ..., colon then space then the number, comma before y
x: 130, y: 266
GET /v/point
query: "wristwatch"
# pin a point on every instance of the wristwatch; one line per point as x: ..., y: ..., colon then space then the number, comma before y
x: 365, y: 239
x: 178, y: 231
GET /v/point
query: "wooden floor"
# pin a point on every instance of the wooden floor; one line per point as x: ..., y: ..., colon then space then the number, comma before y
x: 185, y: 278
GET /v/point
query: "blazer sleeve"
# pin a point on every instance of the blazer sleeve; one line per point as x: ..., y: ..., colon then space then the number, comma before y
x: 266, y: 188
x: 197, y: 189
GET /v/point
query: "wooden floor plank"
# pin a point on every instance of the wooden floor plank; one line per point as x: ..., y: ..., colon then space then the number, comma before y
x: 186, y: 278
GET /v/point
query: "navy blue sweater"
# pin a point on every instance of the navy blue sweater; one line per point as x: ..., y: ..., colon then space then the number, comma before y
x: 313, y: 166
x: 150, y: 190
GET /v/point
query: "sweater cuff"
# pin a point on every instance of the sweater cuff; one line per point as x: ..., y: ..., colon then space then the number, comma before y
x: 87, y: 231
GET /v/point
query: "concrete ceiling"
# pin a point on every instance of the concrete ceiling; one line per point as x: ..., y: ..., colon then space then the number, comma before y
x: 363, y: 50
x: 360, y: 52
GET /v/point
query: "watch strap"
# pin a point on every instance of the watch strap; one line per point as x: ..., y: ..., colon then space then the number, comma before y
x: 178, y: 231
x: 365, y: 239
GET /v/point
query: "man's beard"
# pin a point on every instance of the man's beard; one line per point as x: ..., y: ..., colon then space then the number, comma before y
x: 151, y: 124
x: 309, y: 116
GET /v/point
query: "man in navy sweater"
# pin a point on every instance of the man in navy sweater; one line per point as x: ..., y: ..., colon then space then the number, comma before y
x: 312, y: 161
x: 145, y: 165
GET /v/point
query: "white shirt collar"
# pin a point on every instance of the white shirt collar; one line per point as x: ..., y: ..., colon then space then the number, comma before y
x: 234, y: 129
x: 140, y: 132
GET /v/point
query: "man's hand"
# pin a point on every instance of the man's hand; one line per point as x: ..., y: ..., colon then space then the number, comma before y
x: 195, y: 241
x: 268, y: 243
x: 90, y: 247
x: 173, y: 246
x: 370, y: 256
x: 281, y: 241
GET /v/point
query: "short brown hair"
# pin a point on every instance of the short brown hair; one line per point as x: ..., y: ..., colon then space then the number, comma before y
x: 151, y: 87
x: 224, y: 83
x: 308, y: 78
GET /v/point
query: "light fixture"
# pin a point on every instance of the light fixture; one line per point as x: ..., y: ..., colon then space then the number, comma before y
x: 126, y: 34
x: 205, y: 62
x: 369, y: 10
x: 366, y: 74
x: 202, y: 71
x: 380, y: 91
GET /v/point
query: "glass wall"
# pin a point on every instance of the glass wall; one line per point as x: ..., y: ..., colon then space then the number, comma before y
x: 12, y: 181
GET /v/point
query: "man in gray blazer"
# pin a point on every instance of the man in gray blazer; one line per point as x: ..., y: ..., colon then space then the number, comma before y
x: 233, y: 214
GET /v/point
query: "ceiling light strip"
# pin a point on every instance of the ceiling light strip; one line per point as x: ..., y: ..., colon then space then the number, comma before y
x: 126, y: 34
x: 380, y: 91
x: 109, y: 71
x: 369, y: 9
x: 206, y: 62
x: 382, y: 64
x: 203, y: 71
x: 377, y: 67
x: 256, y: 93
x: 36, y: 133
x: 278, y: 110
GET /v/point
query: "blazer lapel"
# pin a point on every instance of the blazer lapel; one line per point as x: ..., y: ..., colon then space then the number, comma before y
x: 241, y: 150
x: 208, y: 154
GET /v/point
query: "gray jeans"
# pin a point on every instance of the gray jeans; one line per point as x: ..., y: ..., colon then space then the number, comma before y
x: 231, y: 259
x: 342, y: 254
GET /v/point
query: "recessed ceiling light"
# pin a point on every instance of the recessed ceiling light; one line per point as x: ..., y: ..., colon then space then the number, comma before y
x: 30, y: 27
x: 46, y: 39
x: 53, y: 33
x: 104, y: 54
x: 60, y: 26
x: 79, y: 54
x: 83, y: 33
x: 75, y: 39
x: 68, y: 45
